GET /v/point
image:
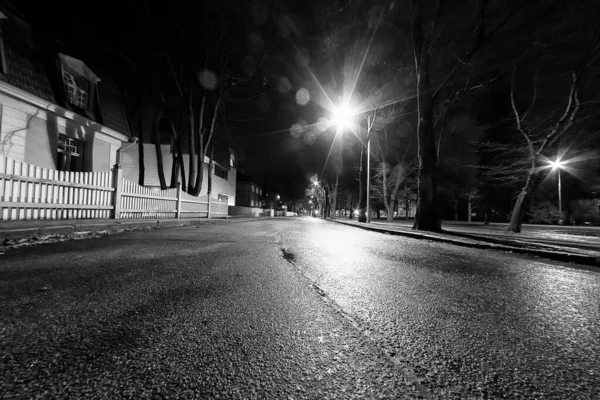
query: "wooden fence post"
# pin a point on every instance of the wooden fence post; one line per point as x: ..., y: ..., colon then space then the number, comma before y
x: 178, y: 209
x: 118, y: 185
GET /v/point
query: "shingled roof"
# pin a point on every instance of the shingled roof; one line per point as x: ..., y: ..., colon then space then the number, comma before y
x: 25, y: 71
x: 112, y: 108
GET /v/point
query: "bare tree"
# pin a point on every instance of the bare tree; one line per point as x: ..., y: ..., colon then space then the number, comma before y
x: 425, y: 27
x: 544, y: 132
x: 392, y: 157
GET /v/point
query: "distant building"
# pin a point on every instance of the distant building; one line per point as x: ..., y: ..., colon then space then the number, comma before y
x: 55, y: 112
x: 247, y: 192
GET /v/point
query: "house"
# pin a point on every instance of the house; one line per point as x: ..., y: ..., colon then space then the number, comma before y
x: 224, y: 177
x: 55, y: 112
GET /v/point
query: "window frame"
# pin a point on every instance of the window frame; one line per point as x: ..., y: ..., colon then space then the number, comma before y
x: 71, y: 80
x: 67, y: 164
x: 222, y: 171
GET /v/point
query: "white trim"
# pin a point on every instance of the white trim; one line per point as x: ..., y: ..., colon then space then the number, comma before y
x: 46, y: 105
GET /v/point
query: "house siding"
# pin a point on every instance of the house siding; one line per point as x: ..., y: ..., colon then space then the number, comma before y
x: 30, y: 134
x: 130, y: 165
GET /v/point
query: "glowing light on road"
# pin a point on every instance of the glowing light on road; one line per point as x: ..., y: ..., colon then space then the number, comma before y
x: 341, y: 251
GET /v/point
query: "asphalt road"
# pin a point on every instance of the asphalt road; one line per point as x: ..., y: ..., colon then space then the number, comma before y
x: 292, y: 308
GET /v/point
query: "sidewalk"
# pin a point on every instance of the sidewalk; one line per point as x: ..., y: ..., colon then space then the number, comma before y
x: 568, y: 244
x: 34, y: 231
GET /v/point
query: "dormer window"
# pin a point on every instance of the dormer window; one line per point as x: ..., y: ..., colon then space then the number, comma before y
x: 76, y: 89
x: 80, y: 85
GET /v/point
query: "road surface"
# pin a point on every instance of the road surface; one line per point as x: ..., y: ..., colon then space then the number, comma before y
x: 293, y: 308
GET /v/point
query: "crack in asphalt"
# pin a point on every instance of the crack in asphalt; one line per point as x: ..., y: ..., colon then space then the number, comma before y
x: 361, y: 327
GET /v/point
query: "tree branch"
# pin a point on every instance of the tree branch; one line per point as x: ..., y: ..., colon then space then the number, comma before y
x: 568, y: 118
x: 518, y: 119
x: 478, y: 45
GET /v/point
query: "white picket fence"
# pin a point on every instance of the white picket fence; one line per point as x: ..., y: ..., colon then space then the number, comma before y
x: 30, y: 192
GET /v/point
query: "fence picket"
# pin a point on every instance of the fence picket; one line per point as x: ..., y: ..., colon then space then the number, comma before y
x: 31, y: 192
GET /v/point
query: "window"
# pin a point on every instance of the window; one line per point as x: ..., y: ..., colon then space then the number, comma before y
x: 223, y: 198
x: 76, y: 89
x: 69, y: 154
x: 220, y: 172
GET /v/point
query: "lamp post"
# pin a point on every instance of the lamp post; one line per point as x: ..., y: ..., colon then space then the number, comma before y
x: 342, y: 118
x: 368, y: 168
x: 557, y: 165
x: 366, y: 215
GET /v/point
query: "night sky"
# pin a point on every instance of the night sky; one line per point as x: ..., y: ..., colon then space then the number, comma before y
x: 276, y: 156
x: 306, y: 56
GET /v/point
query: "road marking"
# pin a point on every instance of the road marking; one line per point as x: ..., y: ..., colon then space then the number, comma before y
x: 281, y: 230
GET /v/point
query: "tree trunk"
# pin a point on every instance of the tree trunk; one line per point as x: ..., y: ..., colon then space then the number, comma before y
x: 174, y: 170
x: 210, y: 168
x: 469, y: 210
x: 427, y: 217
x: 181, y: 165
x: 390, y: 210
x: 176, y: 155
x: 200, y: 164
x: 334, y: 196
x: 351, y: 216
x: 192, y: 150
x: 327, y: 206
x: 522, y: 203
x: 141, y: 167
x: 362, y: 198
x: 159, y: 160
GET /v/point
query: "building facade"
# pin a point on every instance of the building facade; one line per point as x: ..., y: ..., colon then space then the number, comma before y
x: 248, y: 193
x: 51, y: 115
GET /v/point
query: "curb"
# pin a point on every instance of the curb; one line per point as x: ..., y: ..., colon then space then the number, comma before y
x: 493, y: 244
x: 69, y: 229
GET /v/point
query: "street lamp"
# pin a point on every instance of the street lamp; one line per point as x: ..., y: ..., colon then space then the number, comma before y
x: 342, y: 117
x: 557, y: 165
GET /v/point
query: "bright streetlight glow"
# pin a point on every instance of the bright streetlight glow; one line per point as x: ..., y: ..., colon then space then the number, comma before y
x: 556, y: 164
x: 342, y: 117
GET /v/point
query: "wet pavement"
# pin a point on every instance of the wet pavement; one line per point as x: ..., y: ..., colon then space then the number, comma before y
x: 470, y: 323
x: 293, y: 308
